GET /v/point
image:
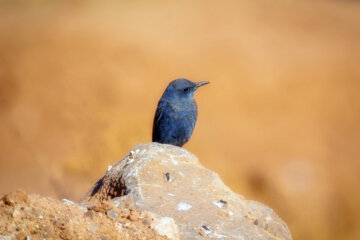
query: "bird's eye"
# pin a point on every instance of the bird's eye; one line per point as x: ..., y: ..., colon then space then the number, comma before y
x: 186, y: 89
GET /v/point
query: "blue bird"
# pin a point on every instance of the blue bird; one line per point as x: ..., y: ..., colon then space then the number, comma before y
x: 176, y: 113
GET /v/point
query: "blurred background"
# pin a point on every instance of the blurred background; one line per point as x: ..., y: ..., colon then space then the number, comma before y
x: 280, y: 121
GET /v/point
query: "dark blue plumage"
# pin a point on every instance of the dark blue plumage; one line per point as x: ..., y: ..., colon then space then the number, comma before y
x: 176, y: 113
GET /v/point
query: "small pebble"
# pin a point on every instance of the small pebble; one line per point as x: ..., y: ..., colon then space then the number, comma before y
x: 89, y: 214
x: 182, y: 206
x: 92, y: 228
x: 207, y: 230
x: 15, y: 213
x: 112, y: 214
x: 66, y: 201
x: 134, y: 215
x: 2, y: 237
x: 168, y: 177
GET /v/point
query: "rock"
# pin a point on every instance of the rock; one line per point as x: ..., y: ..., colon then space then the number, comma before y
x: 112, y: 214
x: 5, y: 237
x: 134, y: 215
x: 66, y: 201
x: 166, y: 226
x: 16, y: 197
x: 170, y: 182
x: 16, y: 213
x: 93, y: 228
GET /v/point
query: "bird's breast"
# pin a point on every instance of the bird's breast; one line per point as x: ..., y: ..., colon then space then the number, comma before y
x: 183, y: 106
x: 184, y: 110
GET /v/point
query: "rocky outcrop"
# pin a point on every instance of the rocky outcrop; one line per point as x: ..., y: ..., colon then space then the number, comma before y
x: 157, y: 191
x: 187, y: 200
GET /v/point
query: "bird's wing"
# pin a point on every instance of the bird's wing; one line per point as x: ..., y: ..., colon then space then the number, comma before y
x: 159, y: 112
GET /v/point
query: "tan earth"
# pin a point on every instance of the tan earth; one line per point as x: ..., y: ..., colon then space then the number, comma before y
x: 38, y: 217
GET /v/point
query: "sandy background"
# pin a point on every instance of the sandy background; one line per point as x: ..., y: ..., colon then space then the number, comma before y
x: 280, y: 121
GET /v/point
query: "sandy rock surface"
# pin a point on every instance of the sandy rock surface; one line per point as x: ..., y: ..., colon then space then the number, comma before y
x: 189, y: 201
x: 25, y: 216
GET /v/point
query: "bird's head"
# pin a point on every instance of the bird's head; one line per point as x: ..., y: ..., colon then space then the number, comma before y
x: 181, y: 89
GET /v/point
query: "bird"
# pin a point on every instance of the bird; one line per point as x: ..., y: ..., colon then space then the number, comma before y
x: 176, y: 113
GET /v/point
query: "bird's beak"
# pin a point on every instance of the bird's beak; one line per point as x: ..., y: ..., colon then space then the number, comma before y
x: 199, y: 84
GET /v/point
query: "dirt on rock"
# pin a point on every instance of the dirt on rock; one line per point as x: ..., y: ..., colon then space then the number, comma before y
x: 38, y: 217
